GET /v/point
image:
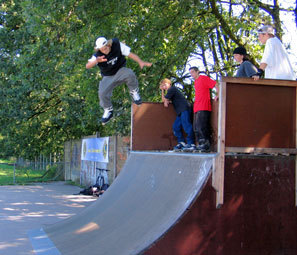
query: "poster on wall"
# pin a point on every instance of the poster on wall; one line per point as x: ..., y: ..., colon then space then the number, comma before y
x: 95, y: 149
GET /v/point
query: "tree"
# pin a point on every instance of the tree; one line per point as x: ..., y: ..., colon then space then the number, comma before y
x: 48, y: 97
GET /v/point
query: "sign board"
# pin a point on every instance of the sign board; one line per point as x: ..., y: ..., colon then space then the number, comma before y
x: 95, y: 149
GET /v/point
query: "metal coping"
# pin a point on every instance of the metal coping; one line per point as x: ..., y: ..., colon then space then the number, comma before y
x: 187, y: 154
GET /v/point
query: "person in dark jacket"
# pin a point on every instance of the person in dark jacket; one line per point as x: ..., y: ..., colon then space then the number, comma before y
x: 246, y: 68
x: 110, y: 57
x: 183, y: 118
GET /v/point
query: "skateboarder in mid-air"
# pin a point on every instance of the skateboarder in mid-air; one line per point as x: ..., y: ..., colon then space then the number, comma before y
x: 183, y: 119
x: 110, y: 57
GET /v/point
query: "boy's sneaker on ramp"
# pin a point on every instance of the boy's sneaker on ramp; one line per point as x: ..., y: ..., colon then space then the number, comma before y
x: 204, y: 146
x: 179, y: 146
x: 107, y: 115
x: 189, y: 148
x: 136, y: 97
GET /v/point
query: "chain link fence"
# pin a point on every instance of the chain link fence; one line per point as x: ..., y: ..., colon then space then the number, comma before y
x: 24, y: 171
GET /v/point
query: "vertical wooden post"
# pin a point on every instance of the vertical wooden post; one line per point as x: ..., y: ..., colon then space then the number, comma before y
x: 131, y: 132
x: 296, y: 180
x: 219, y: 169
x: 296, y: 146
x: 115, y: 152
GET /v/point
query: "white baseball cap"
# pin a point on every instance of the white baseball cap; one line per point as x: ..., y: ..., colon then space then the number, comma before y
x: 266, y: 30
x: 100, y: 42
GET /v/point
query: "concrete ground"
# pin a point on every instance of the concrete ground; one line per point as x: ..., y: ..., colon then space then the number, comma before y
x: 23, y: 208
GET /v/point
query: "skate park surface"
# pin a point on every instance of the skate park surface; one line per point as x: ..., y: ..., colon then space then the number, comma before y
x: 23, y: 208
x: 152, y: 192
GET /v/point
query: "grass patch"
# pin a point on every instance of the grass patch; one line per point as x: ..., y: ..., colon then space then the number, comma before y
x: 6, y: 161
x: 23, y: 175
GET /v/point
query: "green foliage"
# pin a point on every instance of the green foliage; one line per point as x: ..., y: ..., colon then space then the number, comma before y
x: 24, y: 175
x: 50, y: 173
x: 47, y: 96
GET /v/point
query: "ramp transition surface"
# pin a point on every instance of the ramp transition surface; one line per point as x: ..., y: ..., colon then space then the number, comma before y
x: 151, y: 193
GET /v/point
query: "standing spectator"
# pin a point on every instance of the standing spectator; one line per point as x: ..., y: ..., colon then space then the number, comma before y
x: 183, y: 118
x: 110, y: 57
x: 246, y: 68
x: 202, y: 107
x: 275, y: 60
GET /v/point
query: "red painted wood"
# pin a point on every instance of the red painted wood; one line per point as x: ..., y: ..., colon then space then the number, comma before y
x: 260, y: 116
x: 258, y: 217
x: 152, y: 127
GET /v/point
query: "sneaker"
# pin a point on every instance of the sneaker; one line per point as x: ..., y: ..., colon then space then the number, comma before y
x: 179, y: 146
x: 135, y: 96
x: 189, y: 148
x: 203, y: 146
x: 107, y: 115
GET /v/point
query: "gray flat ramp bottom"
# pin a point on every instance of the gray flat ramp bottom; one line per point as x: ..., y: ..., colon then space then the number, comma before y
x: 149, y: 196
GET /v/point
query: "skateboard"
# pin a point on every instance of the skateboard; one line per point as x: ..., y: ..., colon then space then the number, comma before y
x: 188, y: 151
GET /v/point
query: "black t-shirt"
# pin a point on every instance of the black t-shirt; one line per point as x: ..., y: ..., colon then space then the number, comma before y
x: 115, y: 59
x: 178, y: 100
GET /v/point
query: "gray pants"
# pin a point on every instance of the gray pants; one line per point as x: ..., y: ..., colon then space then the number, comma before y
x: 108, y: 83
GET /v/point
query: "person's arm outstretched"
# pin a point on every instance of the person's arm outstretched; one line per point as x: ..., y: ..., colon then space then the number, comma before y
x: 94, y: 61
x: 140, y: 62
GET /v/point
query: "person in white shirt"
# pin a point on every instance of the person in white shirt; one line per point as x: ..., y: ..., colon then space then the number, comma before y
x: 275, y: 61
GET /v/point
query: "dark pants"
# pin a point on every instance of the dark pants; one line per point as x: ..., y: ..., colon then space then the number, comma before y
x: 183, y: 120
x: 202, y: 125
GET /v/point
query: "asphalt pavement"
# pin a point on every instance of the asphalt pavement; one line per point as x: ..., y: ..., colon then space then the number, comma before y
x: 23, y: 208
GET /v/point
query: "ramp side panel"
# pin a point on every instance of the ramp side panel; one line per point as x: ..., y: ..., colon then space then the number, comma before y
x: 149, y: 196
x: 257, y: 216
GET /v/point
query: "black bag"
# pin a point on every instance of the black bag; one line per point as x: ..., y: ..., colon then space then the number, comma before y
x: 91, y: 191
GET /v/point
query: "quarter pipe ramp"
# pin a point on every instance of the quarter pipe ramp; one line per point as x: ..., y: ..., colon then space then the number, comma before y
x: 150, y: 195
